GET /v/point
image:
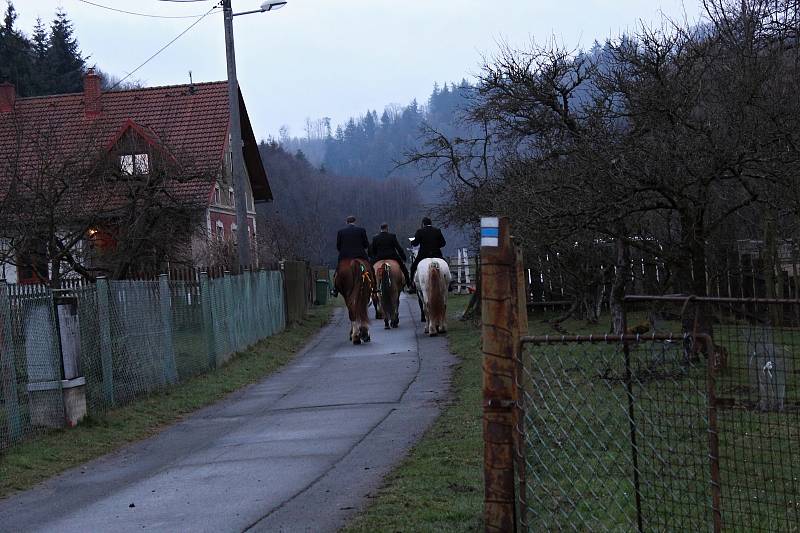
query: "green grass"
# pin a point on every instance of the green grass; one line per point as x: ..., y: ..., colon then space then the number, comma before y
x: 579, y: 454
x: 44, y: 455
x: 439, y: 487
x: 580, y: 457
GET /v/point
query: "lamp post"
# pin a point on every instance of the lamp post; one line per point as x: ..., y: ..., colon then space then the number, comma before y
x: 237, y: 158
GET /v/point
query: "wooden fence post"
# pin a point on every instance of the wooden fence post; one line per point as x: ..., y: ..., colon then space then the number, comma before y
x: 208, y: 319
x: 8, y: 373
x: 104, y: 323
x: 500, y: 337
x: 165, y: 300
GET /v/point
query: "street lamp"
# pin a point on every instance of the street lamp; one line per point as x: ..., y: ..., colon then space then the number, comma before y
x: 237, y: 159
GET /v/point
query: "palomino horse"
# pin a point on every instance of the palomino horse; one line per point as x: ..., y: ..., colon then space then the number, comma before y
x: 432, y: 280
x: 355, y: 283
x: 390, y: 284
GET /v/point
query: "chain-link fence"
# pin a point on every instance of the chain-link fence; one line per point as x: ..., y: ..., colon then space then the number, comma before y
x: 130, y: 338
x: 698, y: 429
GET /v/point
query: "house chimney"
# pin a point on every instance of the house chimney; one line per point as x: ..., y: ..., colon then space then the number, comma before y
x: 8, y: 95
x: 93, y: 105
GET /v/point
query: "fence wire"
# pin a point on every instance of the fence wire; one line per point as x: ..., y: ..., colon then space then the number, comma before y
x: 693, y: 430
x: 135, y: 337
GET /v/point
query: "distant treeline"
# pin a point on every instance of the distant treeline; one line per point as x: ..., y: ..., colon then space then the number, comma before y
x: 372, y: 145
x: 310, y: 206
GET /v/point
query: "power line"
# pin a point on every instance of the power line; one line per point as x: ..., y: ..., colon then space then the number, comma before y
x: 140, y: 14
x: 181, y: 34
x: 184, y: 1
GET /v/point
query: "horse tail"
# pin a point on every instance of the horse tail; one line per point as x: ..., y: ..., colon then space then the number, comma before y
x: 436, y: 292
x: 386, y: 278
x: 362, y: 290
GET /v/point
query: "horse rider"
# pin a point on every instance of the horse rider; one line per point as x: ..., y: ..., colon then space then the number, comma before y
x: 385, y: 246
x: 430, y: 241
x: 352, y: 243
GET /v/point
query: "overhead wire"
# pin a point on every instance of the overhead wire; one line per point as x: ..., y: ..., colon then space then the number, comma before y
x: 181, y: 34
x: 149, y: 15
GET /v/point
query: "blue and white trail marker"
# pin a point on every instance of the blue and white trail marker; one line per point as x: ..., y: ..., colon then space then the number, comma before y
x: 490, y: 231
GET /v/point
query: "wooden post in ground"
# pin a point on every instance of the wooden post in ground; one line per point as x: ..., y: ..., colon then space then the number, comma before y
x: 500, y: 338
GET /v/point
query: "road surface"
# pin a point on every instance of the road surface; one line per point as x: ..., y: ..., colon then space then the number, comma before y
x: 300, y: 451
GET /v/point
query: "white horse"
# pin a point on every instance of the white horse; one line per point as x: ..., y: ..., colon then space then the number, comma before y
x: 433, y: 279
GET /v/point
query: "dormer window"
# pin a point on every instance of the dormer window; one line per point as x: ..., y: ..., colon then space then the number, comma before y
x: 134, y: 164
x: 217, y: 195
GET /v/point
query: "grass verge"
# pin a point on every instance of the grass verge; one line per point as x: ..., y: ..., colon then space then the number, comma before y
x: 42, y: 456
x: 439, y: 487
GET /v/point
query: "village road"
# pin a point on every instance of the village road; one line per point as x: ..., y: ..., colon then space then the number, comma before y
x: 300, y: 451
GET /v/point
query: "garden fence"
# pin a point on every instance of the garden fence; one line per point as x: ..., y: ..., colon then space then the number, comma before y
x: 130, y: 338
x: 691, y: 424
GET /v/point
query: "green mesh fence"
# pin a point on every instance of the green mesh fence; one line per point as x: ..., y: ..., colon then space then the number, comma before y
x: 134, y: 337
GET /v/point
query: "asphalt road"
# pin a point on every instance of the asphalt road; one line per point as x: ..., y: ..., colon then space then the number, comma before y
x: 300, y: 451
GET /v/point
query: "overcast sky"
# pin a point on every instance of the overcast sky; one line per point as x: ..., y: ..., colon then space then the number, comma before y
x: 336, y: 58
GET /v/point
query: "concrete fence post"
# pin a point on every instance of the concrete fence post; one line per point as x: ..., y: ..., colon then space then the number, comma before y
x: 500, y: 337
x: 165, y: 301
x: 104, y: 322
x: 208, y: 319
x: 8, y: 372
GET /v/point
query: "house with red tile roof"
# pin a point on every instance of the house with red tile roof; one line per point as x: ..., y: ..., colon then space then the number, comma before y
x: 182, y: 127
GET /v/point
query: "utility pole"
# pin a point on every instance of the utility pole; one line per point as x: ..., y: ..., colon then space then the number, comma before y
x: 237, y: 159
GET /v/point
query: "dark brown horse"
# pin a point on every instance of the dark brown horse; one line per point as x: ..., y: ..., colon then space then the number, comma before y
x: 390, y: 283
x: 356, y: 284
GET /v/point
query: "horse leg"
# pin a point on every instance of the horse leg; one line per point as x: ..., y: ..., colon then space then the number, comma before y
x: 354, y: 334
x: 421, y: 307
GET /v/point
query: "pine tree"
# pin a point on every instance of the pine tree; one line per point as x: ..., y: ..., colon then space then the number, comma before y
x: 15, y: 54
x: 40, y: 44
x: 63, y: 59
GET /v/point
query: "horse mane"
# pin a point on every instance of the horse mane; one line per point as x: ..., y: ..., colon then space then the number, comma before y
x: 436, y: 293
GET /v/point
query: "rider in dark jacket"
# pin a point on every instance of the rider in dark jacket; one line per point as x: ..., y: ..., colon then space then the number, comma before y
x: 385, y: 246
x: 430, y: 241
x: 352, y: 243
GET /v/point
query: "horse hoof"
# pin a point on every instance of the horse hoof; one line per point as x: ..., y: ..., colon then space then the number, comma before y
x: 356, y: 341
x: 366, y: 339
x: 395, y: 324
x: 432, y: 334
x: 387, y: 326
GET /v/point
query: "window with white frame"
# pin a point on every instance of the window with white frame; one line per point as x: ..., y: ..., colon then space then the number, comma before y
x: 220, y: 230
x: 234, y: 236
x: 217, y: 195
x: 232, y: 197
x: 134, y: 164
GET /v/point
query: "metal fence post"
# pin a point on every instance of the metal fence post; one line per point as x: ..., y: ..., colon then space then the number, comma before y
x: 208, y: 319
x: 8, y: 374
x: 500, y: 336
x: 165, y: 301
x: 106, y: 355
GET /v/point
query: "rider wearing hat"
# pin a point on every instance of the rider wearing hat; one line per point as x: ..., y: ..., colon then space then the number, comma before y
x: 352, y: 243
x: 385, y: 246
x: 430, y: 241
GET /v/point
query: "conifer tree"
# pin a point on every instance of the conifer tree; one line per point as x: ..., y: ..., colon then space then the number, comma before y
x: 63, y: 59
x: 15, y: 54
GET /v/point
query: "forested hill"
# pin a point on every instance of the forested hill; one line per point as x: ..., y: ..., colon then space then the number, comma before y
x: 311, y: 205
x: 372, y: 145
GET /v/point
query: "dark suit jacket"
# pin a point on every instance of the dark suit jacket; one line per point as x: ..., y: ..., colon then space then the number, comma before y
x: 385, y: 246
x: 430, y: 241
x: 352, y: 243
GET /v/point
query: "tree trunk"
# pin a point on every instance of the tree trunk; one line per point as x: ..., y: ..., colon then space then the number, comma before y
x: 617, y: 296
